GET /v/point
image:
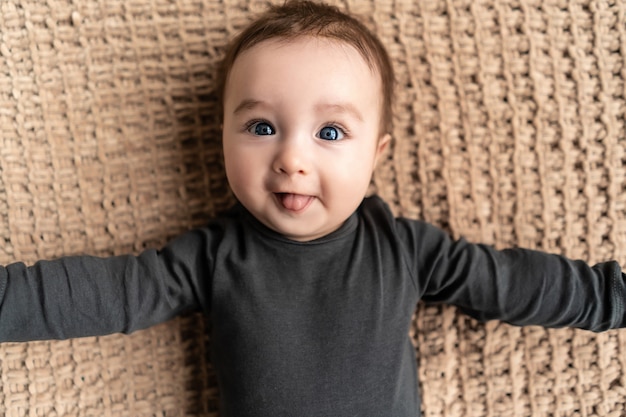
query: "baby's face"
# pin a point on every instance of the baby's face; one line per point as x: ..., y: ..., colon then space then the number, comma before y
x: 301, y: 133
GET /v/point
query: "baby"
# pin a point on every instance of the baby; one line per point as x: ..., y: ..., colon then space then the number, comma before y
x: 310, y: 285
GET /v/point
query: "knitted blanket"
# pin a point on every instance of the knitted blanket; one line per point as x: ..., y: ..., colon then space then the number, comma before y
x: 509, y: 130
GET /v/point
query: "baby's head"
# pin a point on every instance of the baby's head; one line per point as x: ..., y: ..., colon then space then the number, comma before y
x: 306, y: 94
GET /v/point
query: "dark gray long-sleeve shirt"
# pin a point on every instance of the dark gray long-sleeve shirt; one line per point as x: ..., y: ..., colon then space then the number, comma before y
x: 308, y: 329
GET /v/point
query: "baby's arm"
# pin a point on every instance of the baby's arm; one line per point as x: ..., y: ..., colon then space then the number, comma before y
x: 87, y: 296
x: 522, y: 287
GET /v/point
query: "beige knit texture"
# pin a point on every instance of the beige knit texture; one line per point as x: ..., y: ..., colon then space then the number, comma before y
x: 509, y: 130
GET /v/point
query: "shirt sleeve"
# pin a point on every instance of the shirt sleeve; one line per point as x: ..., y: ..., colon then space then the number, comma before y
x: 518, y: 286
x: 88, y: 296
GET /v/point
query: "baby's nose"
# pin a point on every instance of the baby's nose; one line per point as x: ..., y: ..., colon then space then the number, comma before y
x: 292, y: 158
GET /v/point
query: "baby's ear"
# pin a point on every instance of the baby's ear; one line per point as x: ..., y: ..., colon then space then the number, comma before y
x: 383, y: 142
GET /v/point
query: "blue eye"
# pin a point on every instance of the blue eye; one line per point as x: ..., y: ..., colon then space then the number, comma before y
x: 261, y: 129
x: 330, y: 133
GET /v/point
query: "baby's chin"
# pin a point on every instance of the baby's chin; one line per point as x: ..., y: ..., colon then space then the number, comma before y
x: 301, y: 234
x: 298, y: 217
x: 301, y: 230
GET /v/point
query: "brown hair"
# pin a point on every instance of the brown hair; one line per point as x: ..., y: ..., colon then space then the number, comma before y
x: 301, y: 18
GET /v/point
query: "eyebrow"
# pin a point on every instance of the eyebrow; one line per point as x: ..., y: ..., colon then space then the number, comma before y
x: 344, y: 108
x: 248, y: 104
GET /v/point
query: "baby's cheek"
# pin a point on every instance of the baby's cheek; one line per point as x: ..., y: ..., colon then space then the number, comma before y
x: 242, y: 175
x: 358, y: 171
x: 237, y: 173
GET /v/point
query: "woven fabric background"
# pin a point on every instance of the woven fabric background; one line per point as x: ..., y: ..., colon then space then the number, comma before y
x: 509, y: 130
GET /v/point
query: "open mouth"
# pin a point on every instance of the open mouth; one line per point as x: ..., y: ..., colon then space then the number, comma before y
x: 294, y: 202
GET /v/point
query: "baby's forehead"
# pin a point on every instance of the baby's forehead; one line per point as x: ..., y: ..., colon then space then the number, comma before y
x: 337, y: 49
x: 311, y: 41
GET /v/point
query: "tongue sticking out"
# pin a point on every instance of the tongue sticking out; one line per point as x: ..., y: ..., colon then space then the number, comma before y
x: 294, y: 202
